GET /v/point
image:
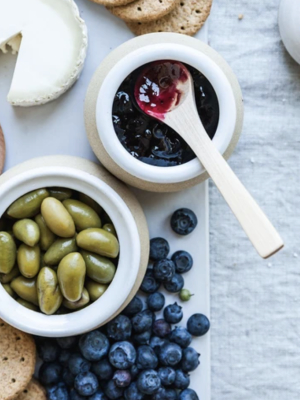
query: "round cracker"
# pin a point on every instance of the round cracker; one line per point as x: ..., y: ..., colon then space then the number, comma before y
x: 144, y: 10
x: 187, y: 18
x: 17, y: 361
x: 34, y: 391
x: 113, y: 3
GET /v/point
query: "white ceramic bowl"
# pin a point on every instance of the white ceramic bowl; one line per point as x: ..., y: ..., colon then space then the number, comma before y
x: 289, y: 26
x: 118, y: 203
x: 118, y: 66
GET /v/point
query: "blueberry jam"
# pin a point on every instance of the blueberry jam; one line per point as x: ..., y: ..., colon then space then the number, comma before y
x: 150, y: 140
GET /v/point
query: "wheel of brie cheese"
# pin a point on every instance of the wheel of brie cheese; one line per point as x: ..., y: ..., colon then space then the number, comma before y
x: 51, y: 41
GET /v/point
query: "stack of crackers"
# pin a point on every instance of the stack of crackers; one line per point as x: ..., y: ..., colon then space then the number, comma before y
x: 148, y: 16
x: 17, y: 364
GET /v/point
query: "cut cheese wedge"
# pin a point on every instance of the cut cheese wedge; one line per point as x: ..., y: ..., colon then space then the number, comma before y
x: 51, y: 40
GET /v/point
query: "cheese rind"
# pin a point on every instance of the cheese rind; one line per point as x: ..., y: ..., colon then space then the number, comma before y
x: 52, y: 42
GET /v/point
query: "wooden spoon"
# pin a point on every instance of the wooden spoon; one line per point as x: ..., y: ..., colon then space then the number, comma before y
x: 165, y: 91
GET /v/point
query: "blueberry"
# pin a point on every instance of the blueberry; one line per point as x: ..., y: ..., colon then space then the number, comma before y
x: 180, y: 336
x: 156, y: 301
x: 161, y: 328
x: 149, y: 284
x: 68, y: 377
x: 63, y: 358
x: 184, y: 221
x: 142, y: 321
x: 198, y: 325
x: 156, y: 343
x: 57, y: 391
x: 164, y: 270
x: 122, y: 355
x: 99, y: 395
x: 173, y: 313
x: 190, y: 359
x: 50, y: 373
x: 170, y: 354
x: 134, y: 371
x: 86, y: 384
x: 78, y: 364
x: 112, y: 391
x: 119, y: 328
x: 48, y: 350
x: 133, y: 393
x: 122, y: 103
x: 167, y: 375
x: 122, y: 378
x: 94, y: 345
x: 75, y: 396
x: 67, y: 342
x: 175, y: 284
x: 134, y: 307
x: 165, y: 394
x: 188, y: 394
x: 159, y: 248
x: 103, y: 369
x: 148, y: 381
x: 142, y: 338
x: 183, y: 261
x: 182, y: 380
x: 146, y: 358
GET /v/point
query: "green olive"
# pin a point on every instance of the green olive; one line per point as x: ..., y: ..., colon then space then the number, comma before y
x: 7, y: 278
x: 26, y: 304
x: 49, y: 294
x: 28, y: 205
x: 60, y: 193
x: 90, y: 202
x: 59, y: 249
x: 84, y: 216
x: 26, y: 289
x: 95, y: 290
x: 98, y: 268
x: 71, y: 274
x: 57, y: 218
x: 27, y: 231
x: 8, y: 289
x: 46, y: 236
x: 29, y: 260
x: 98, y: 241
x: 77, y: 305
x: 8, y: 252
x: 110, y: 228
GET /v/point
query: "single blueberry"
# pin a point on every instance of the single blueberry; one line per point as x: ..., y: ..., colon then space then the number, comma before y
x: 146, y: 358
x: 67, y: 342
x: 48, y: 350
x: 134, y: 371
x: 149, y: 284
x: 99, y: 395
x: 119, y: 328
x: 180, y: 336
x: 156, y: 343
x: 94, y: 345
x: 133, y: 393
x: 142, y: 338
x: 103, y: 369
x: 86, y: 384
x: 188, y: 394
x: 122, y: 103
x: 173, y: 313
x: 190, y: 359
x: 183, y: 261
x: 159, y: 248
x: 112, y: 391
x: 156, y: 301
x: 165, y: 394
x: 161, y: 328
x: 182, y: 380
x: 122, y: 355
x: 50, y: 373
x: 68, y: 377
x: 78, y: 364
x: 134, y: 307
x: 122, y: 378
x: 167, y: 375
x: 198, y: 325
x: 164, y: 270
x: 184, y: 221
x: 170, y: 354
x: 175, y: 284
x: 142, y: 321
x: 58, y: 391
x: 75, y: 396
x: 148, y: 381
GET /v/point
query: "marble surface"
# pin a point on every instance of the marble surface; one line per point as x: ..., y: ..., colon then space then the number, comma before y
x: 255, y: 303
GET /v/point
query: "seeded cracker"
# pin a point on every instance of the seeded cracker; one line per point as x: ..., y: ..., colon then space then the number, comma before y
x: 34, y: 391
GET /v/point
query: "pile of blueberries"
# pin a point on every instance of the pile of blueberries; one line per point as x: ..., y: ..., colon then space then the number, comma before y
x: 136, y: 356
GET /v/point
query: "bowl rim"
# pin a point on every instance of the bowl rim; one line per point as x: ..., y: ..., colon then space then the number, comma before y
x: 88, y: 318
x: 135, y: 59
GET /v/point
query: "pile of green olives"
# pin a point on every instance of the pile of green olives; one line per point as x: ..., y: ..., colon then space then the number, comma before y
x: 58, y: 250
